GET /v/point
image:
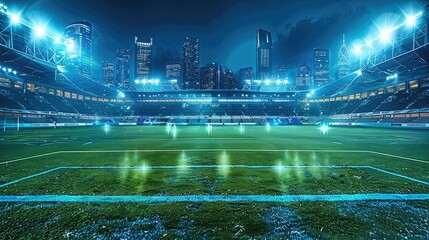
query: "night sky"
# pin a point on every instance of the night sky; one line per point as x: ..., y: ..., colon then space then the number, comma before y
x: 226, y: 28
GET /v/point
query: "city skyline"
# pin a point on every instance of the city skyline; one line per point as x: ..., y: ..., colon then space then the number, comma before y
x: 225, y: 37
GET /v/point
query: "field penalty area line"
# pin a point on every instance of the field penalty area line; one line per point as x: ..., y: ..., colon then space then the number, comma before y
x: 216, y: 198
x: 216, y: 150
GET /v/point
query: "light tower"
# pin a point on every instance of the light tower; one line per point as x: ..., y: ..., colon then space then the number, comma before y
x: 343, y: 60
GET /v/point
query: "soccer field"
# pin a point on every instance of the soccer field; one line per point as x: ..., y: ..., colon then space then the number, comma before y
x: 218, y: 181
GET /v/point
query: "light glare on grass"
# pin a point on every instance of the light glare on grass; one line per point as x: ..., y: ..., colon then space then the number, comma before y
x: 223, y: 166
x: 324, y: 128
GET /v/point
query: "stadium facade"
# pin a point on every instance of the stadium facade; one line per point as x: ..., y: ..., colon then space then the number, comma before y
x: 391, y: 86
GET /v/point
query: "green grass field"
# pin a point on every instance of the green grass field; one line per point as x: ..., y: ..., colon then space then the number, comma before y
x: 292, y: 182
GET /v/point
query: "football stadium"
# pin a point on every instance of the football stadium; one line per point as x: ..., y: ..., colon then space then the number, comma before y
x: 158, y: 159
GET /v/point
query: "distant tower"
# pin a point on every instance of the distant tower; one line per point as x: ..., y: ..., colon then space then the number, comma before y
x: 108, y: 72
x: 211, y: 76
x: 123, y: 68
x: 320, y: 66
x: 143, y: 58
x: 264, y: 54
x: 343, y: 60
x: 78, y: 38
x: 191, y: 62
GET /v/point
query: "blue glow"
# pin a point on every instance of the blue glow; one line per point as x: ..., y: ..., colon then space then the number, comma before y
x: 15, y: 19
x: 40, y: 31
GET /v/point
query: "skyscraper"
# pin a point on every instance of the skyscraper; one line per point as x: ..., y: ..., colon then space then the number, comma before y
x: 303, y: 78
x: 108, y: 72
x: 321, y: 66
x: 281, y: 73
x: 123, y: 68
x: 228, y: 80
x: 191, y: 60
x: 211, y: 76
x: 264, y: 54
x: 245, y: 74
x: 343, y: 60
x: 78, y: 39
x: 173, y: 71
x: 143, y: 58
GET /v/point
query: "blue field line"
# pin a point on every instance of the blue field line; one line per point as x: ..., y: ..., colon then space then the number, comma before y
x: 399, y: 175
x: 30, y: 176
x: 217, y: 198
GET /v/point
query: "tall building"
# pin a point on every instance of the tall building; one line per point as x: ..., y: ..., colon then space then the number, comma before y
x: 343, y: 60
x: 191, y: 61
x: 143, y: 58
x: 78, y: 39
x: 321, y: 66
x: 173, y: 71
x: 245, y: 74
x: 108, y: 72
x: 211, y: 76
x: 228, y: 80
x: 303, y: 78
x: 281, y: 73
x: 264, y: 54
x: 123, y: 68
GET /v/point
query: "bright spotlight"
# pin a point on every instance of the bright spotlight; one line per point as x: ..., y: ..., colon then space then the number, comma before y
x: 324, y: 129
x: 278, y: 82
x: 121, y: 94
x: 411, y: 20
x: 40, y: 31
x: 312, y: 91
x: 357, y: 50
x: 70, y: 45
x: 15, y: 18
x: 308, y: 95
x: 57, y: 39
x: 9, y: 70
x: 136, y: 81
x: 14, y: 72
x: 267, y: 82
x: 386, y: 35
x: 359, y: 72
x: 368, y: 43
x: 286, y: 81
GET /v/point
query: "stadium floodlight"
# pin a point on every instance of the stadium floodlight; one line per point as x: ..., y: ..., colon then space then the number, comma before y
x: 359, y: 72
x: 57, y: 39
x: 411, y: 20
x: 267, y: 82
x: 386, y: 35
x: 357, y: 50
x: 368, y: 43
x: 278, y: 82
x: 144, y: 82
x: 395, y: 75
x: 14, y: 72
x: 9, y: 70
x: 4, y: 69
x: 121, y: 94
x: 136, y: 81
x: 156, y: 81
x: 312, y: 92
x: 308, y: 95
x: 286, y: 81
x: 40, y: 30
x: 15, y: 19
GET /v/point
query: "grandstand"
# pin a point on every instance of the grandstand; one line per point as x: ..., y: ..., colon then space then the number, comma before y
x: 265, y: 161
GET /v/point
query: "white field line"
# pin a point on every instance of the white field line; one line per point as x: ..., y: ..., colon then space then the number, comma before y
x: 216, y: 150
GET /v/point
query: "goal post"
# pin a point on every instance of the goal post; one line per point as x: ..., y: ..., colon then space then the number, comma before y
x: 10, y: 123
